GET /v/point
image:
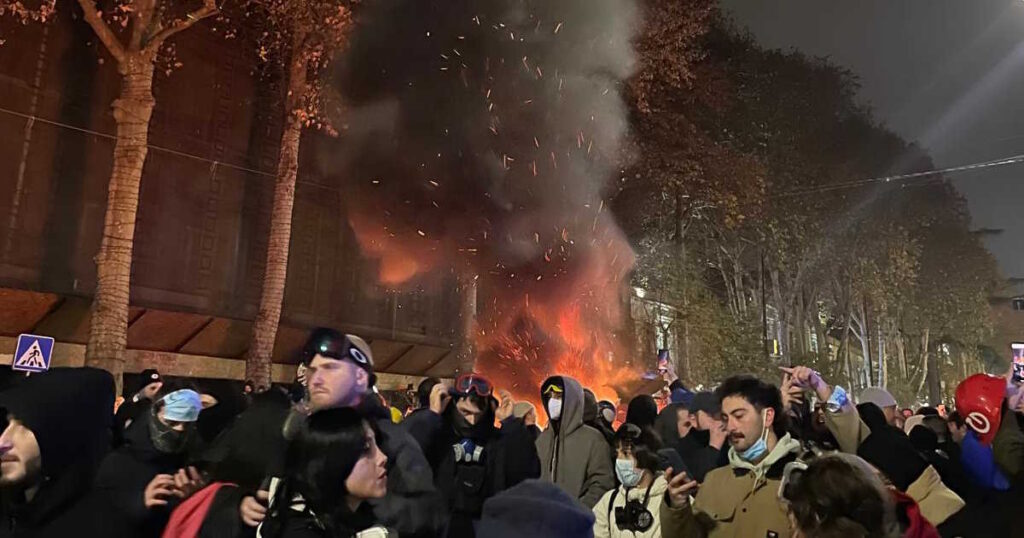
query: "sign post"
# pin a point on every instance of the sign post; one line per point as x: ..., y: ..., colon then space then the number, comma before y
x: 33, y: 353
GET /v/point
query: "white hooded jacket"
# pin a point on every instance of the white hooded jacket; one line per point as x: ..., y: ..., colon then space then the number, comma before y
x: 605, y: 525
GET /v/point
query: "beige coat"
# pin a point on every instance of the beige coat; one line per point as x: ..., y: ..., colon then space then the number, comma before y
x: 732, y: 503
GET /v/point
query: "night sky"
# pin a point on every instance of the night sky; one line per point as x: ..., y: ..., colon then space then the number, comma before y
x: 948, y: 74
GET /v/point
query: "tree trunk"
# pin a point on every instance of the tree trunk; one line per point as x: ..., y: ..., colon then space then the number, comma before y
x: 275, y: 275
x: 925, y: 363
x: 108, y: 332
x: 467, y: 312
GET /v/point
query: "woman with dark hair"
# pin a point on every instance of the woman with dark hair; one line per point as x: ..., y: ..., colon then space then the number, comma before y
x: 633, y: 508
x: 838, y: 496
x: 333, y: 466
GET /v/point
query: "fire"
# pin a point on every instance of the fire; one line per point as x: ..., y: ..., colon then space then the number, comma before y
x: 568, y: 327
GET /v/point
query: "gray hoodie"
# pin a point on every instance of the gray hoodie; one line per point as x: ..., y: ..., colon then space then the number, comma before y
x: 572, y: 455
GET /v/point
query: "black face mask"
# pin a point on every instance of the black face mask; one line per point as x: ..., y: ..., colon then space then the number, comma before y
x: 479, y: 431
x: 701, y: 437
x: 165, y: 439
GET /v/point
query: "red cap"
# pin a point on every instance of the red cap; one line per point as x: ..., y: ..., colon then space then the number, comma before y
x: 979, y: 399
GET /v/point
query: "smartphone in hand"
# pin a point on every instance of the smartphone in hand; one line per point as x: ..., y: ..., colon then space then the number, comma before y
x: 1017, y: 362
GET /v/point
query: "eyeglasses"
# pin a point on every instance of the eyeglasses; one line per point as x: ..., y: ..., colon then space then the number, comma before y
x: 334, y: 345
x: 791, y: 475
x: 467, y: 383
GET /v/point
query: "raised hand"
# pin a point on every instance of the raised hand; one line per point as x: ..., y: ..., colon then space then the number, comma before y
x: 680, y: 487
x: 439, y: 398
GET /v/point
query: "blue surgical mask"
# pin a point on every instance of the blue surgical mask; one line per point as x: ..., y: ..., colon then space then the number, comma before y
x: 627, y: 473
x: 757, y: 449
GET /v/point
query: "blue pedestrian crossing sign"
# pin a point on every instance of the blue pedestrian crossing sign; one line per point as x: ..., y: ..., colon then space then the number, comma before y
x: 33, y: 353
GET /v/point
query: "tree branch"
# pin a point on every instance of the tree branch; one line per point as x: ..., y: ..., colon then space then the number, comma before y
x: 102, y: 30
x: 209, y: 9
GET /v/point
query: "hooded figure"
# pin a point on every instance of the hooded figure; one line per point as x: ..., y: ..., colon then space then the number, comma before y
x: 592, y: 417
x: 471, y: 459
x: 70, y: 414
x: 642, y: 411
x: 160, y: 442
x: 572, y: 455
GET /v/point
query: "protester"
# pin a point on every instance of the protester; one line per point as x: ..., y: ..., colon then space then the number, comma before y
x: 535, y: 509
x: 526, y: 412
x: 980, y: 399
x: 333, y: 467
x: 633, y: 508
x: 423, y: 391
x: 340, y: 374
x: 592, y: 418
x: 606, y: 414
x: 839, y: 496
x: 140, y: 482
x: 572, y: 455
x: 1008, y: 444
x: 57, y: 429
x: 884, y: 401
x: 642, y: 411
x: 140, y: 400
x: 706, y: 447
x: 471, y: 459
x: 741, y: 499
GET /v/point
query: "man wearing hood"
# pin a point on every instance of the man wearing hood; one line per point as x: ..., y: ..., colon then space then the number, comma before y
x: 58, y: 428
x: 592, y: 417
x: 473, y: 460
x: 340, y: 374
x: 572, y: 455
x: 139, y: 483
x: 742, y: 498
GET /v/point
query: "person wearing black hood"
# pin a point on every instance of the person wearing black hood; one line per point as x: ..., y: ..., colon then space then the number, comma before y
x: 58, y: 428
x: 340, y: 374
x: 141, y: 481
x: 642, y: 411
x: 134, y: 405
x: 592, y: 417
x: 472, y: 460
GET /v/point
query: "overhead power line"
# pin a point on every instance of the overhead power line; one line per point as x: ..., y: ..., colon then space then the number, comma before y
x: 1005, y: 161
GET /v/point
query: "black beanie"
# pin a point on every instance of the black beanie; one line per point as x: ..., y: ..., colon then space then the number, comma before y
x: 69, y: 410
x: 535, y: 509
x: 642, y: 411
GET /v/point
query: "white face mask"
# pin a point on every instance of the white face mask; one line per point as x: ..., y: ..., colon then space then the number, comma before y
x: 555, y: 409
x: 609, y: 415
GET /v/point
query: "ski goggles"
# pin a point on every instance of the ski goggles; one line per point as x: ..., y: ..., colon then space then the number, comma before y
x: 332, y: 344
x: 552, y: 389
x: 467, y: 383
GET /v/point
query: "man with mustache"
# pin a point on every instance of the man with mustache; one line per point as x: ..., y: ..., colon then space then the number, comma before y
x: 741, y: 499
x: 57, y: 429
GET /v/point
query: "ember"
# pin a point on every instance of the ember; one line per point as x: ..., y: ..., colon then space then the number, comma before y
x: 483, y: 166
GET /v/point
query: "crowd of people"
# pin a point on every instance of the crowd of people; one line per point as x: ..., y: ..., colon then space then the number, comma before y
x: 327, y: 457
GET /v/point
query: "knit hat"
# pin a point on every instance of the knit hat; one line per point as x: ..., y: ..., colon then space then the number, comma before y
x: 521, y: 409
x: 535, y: 509
x: 642, y: 411
x: 707, y: 402
x: 877, y: 396
x: 69, y: 410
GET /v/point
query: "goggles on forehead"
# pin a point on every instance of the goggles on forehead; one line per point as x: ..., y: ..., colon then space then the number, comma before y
x: 553, y: 389
x: 335, y: 346
x: 467, y: 383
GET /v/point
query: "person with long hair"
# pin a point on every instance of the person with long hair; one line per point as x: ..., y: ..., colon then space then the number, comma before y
x: 838, y: 496
x: 333, y: 467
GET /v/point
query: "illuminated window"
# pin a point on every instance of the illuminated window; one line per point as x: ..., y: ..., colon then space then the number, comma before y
x: 1018, y: 304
